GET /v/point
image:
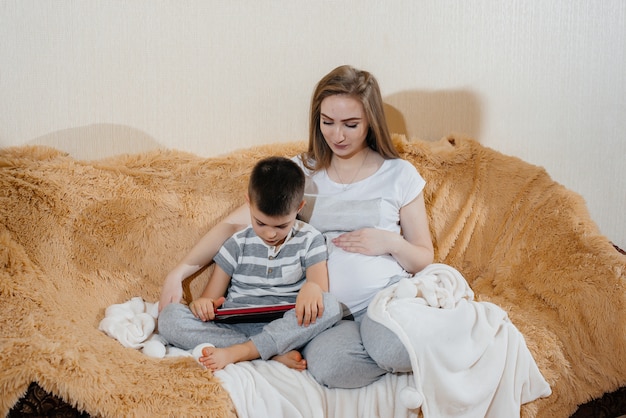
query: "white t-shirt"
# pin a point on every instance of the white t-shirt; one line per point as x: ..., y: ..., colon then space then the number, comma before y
x: 373, y: 202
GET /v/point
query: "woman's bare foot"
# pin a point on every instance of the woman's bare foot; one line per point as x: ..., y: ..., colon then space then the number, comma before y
x: 292, y: 359
x: 214, y: 358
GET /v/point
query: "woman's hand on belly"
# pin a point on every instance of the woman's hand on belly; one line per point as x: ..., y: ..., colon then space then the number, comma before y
x: 368, y: 241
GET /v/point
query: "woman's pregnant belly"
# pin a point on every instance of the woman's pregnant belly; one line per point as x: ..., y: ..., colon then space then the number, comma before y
x: 356, y: 278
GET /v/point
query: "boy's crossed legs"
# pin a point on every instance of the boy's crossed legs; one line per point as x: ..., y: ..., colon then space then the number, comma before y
x: 277, y: 340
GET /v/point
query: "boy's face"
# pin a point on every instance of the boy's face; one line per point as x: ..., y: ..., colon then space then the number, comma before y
x: 272, y: 229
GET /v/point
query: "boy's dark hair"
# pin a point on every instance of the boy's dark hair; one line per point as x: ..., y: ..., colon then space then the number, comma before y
x: 276, y: 186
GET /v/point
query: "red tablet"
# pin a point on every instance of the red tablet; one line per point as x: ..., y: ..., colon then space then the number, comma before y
x: 256, y: 313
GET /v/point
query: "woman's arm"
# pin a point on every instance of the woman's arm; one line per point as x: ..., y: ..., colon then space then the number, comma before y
x: 202, y: 254
x: 413, y: 250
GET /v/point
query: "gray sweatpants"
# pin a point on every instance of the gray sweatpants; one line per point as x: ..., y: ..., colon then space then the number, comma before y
x: 181, y: 328
x: 355, y: 353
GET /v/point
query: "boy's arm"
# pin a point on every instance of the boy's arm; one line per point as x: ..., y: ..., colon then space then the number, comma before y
x: 212, y: 296
x: 310, y: 300
x: 318, y: 274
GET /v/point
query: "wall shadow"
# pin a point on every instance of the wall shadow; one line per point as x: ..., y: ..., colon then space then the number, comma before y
x: 98, y: 141
x: 431, y: 115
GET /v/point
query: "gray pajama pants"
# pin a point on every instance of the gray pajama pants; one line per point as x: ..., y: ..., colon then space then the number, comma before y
x: 355, y: 353
x: 181, y: 328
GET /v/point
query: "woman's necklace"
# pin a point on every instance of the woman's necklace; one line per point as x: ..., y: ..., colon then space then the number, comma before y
x: 346, y: 185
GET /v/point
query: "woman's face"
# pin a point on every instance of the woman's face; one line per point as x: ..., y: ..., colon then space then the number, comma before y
x: 344, y: 125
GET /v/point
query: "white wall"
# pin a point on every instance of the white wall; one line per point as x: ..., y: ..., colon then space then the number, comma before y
x: 541, y: 80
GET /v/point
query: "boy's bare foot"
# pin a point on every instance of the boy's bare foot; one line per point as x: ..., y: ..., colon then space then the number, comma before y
x: 214, y: 358
x: 292, y: 359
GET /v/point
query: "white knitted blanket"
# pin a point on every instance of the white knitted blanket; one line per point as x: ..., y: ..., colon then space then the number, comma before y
x: 468, y: 359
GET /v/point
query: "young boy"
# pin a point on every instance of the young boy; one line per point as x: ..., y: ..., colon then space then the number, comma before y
x: 276, y: 259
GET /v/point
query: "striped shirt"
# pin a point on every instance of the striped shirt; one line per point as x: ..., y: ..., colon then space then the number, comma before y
x: 257, y: 269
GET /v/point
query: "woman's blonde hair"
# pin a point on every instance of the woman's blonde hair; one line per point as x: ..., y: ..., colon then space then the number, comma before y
x: 362, y: 86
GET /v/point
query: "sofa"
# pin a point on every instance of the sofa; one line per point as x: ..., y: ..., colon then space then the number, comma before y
x: 79, y: 236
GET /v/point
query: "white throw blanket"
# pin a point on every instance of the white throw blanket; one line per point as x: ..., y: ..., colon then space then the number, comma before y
x: 263, y: 388
x: 468, y: 359
x: 131, y: 322
x: 270, y: 389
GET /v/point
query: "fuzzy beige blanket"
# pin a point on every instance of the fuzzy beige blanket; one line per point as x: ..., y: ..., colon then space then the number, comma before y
x: 77, y: 236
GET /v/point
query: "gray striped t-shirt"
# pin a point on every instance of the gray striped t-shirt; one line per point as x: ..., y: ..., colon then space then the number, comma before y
x: 257, y: 270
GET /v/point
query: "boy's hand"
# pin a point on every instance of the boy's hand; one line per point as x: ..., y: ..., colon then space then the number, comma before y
x: 309, y: 304
x: 204, y: 308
